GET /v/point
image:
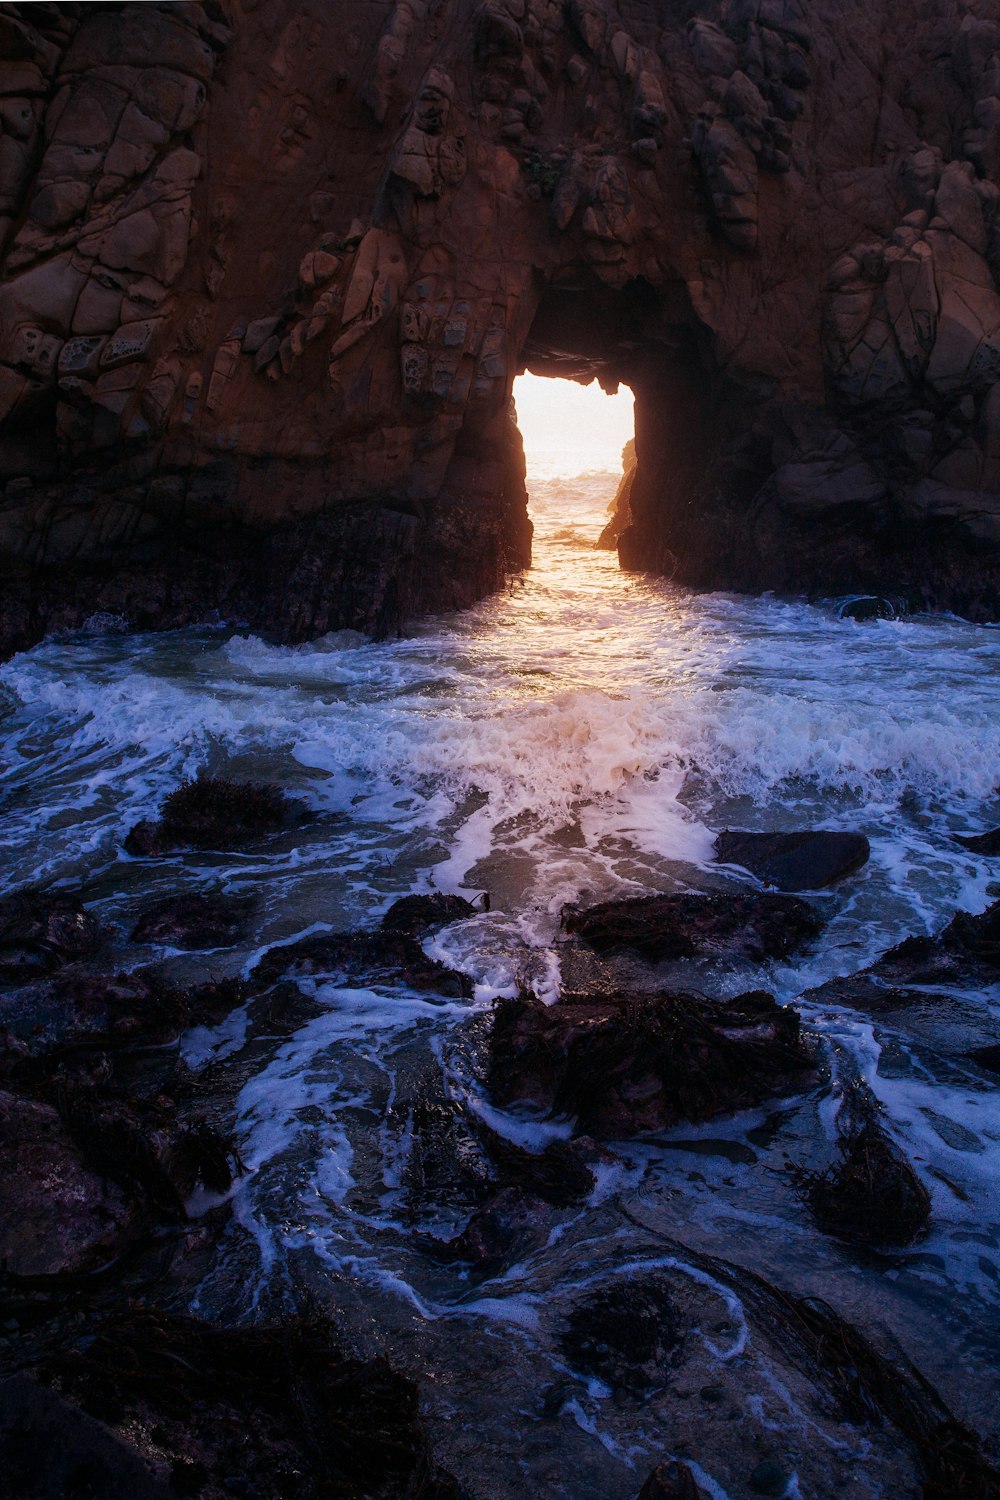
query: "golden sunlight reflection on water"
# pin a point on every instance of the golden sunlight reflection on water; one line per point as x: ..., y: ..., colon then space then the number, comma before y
x: 569, y: 428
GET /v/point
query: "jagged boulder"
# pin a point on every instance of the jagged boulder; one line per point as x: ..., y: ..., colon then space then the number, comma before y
x: 622, y: 1065
x: 754, y: 926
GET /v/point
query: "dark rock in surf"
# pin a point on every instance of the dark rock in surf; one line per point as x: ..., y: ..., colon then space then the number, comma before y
x: 212, y: 813
x: 871, y: 1195
x: 987, y: 1058
x: 628, y: 1333
x: 508, y: 1227
x: 559, y: 1174
x: 671, y: 1480
x: 116, y: 1011
x: 194, y: 920
x: 966, y: 952
x: 980, y: 843
x: 413, y: 915
x: 754, y: 925
x: 625, y: 1065
x: 368, y: 957
x: 42, y: 932
x: 804, y: 861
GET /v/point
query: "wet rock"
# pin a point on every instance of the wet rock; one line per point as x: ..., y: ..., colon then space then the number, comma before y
x: 625, y: 1065
x: 40, y: 932
x: 116, y: 1011
x: 672, y: 1480
x: 194, y: 920
x: 980, y: 843
x: 871, y: 1195
x: 212, y: 813
x: 804, y: 861
x: 559, y: 1174
x: 753, y: 926
x: 628, y: 1334
x: 966, y: 952
x: 368, y: 957
x: 506, y: 1229
x: 276, y: 1411
x: 413, y: 915
x: 56, y: 1214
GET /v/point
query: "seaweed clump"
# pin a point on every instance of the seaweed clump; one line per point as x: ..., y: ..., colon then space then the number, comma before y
x: 211, y: 812
x: 871, y: 1195
x: 627, y: 1334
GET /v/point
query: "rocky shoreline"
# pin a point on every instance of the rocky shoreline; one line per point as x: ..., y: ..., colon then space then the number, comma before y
x: 120, y: 1170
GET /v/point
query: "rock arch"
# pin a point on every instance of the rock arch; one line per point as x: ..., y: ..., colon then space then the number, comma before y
x: 269, y: 272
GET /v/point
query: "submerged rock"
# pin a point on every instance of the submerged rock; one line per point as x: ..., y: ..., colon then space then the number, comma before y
x: 754, y: 925
x: 625, y: 1065
x: 194, y: 920
x: 804, y: 861
x: 367, y: 957
x: 626, y: 1333
x: 40, y: 932
x: 871, y: 1195
x: 413, y: 915
x: 212, y: 813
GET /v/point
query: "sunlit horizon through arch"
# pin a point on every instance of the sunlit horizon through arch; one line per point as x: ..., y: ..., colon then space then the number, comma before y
x: 569, y: 428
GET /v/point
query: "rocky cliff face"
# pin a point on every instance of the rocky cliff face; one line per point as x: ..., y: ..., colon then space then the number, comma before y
x: 270, y: 269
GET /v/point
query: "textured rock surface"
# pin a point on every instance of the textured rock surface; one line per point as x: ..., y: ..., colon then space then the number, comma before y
x: 269, y: 271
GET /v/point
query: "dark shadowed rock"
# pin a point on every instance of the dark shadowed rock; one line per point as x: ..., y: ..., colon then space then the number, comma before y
x: 795, y: 861
x: 365, y: 956
x: 40, y: 932
x: 53, y: 1451
x: 871, y: 1195
x: 56, y: 1213
x: 987, y: 1058
x: 115, y: 1011
x: 626, y: 1065
x: 413, y: 915
x: 625, y: 1333
x: 269, y: 1411
x: 672, y: 1480
x: 755, y: 926
x: 212, y: 812
x: 981, y: 843
x: 194, y: 920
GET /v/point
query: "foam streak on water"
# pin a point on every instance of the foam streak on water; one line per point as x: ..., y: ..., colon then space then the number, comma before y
x: 583, y: 735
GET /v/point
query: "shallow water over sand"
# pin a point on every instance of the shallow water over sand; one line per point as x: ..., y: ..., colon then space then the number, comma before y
x: 583, y: 736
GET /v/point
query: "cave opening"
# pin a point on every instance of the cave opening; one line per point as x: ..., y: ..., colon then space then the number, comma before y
x: 571, y: 430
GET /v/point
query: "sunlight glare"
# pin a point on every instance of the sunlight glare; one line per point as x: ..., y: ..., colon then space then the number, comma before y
x: 569, y: 428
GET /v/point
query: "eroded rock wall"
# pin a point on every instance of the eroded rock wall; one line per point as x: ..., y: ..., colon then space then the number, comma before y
x: 270, y: 269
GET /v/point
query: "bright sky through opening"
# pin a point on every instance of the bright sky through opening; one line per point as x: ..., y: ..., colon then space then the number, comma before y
x: 569, y: 428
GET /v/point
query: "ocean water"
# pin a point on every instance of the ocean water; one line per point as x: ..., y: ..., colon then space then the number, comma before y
x: 584, y: 735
